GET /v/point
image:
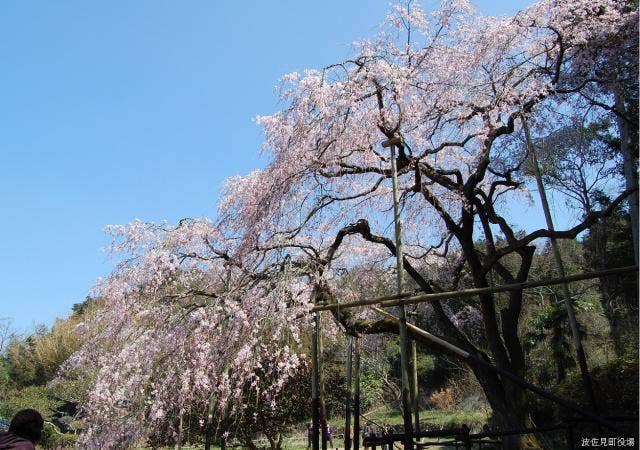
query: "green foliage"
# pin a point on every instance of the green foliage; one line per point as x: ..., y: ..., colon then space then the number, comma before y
x: 607, y: 245
x: 88, y: 306
x: 424, y: 363
x: 36, y: 359
x: 334, y: 379
x: 545, y: 332
x: 615, y: 383
x: 52, y: 438
x: 27, y: 367
x: 371, y: 389
x: 72, y: 390
x: 5, y: 377
x: 553, y: 315
x: 36, y: 397
x: 22, y: 365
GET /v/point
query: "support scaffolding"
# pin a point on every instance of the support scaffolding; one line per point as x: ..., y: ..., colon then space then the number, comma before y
x: 400, y: 300
x: 405, y: 298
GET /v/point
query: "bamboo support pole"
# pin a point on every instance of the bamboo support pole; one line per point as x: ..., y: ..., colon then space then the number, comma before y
x: 356, y: 394
x: 323, y: 405
x: 315, y: 400
x: 414, y: 385
x: 347, y: 413
x: 404, y: 357
x: 566, y: 294
x: 409, y: 298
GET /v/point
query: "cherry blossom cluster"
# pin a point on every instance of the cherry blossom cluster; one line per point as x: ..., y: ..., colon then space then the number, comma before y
x: 184, y: 326
x: 447, y: 93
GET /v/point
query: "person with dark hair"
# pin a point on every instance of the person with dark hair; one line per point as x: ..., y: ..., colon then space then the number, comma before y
x: 24, y: 431
x: 328, y: 435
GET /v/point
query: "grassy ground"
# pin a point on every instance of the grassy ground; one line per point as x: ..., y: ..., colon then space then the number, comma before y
x: 430, y: 417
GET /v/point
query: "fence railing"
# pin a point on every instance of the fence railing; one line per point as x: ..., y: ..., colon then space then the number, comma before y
x: 462, y: 438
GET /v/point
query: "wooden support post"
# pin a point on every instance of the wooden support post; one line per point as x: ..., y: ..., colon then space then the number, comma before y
x: 347, y: 409
x: 315, y: 399
x: 406, y: 396
x: 414, y: 384
x: 408, y: 298
x: 573, y: 323
x: 356, y: 394
x: 404, y: 344
x: 323, y: 405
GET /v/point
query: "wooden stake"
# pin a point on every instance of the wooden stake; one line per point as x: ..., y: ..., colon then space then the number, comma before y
x: 315, y: 400
x: 404, y: 358
x: 323, y: 405
x: 408, y: 298
x: 414, y: 384
x: 356, y: 394
x: 568, y: 305
x: 347, y: 413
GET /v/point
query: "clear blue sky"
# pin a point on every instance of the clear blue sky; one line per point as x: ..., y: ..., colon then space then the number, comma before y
x: 111, y: 111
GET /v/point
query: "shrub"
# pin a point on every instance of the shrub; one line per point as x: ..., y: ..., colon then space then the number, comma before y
x: 52, y: 438
x: 444, y: 399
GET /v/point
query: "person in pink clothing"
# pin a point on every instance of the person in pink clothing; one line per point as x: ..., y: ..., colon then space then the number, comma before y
x: 24, y: 431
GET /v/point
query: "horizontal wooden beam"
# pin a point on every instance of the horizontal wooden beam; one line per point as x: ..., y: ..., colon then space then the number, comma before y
x: 408, y: 298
